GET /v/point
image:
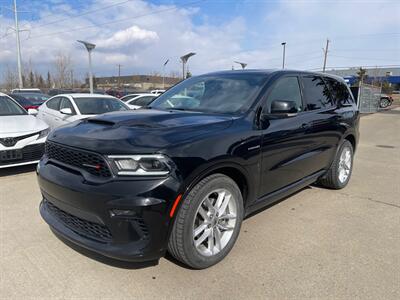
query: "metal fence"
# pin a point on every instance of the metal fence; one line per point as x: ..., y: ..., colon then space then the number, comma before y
x: 368, y: 98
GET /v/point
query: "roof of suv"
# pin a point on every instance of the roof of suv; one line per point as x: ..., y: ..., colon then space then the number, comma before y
x: 273, y: 71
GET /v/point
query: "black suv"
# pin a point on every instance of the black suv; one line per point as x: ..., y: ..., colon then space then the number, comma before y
x: 181, y: 174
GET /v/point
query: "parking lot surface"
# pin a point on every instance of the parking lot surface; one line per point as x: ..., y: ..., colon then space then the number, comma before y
x: 317, y: 243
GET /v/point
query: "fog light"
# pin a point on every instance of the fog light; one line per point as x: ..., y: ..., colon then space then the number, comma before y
x: 122, y: 213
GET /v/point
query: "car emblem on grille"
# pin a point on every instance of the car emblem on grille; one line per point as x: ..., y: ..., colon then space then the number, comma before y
x: 8, y: 142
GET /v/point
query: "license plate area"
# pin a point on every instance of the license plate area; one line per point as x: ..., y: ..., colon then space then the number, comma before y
x: 9, y: 155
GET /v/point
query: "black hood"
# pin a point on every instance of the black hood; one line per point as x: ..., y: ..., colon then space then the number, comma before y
x: 140, y: 131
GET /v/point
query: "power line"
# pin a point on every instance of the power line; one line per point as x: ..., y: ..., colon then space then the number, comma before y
x: 82, y: 14
x: 117, y: 21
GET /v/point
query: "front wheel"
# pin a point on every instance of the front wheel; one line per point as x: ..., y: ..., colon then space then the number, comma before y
x: 208, y: 222
x: 340, y: 171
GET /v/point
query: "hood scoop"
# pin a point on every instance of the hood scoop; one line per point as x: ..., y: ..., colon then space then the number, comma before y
x: 100, y: 122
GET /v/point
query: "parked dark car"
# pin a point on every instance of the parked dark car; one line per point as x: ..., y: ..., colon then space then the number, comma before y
x: 181, y: 175
x: 30, y: 100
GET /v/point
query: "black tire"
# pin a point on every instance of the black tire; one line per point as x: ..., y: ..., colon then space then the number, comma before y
x: 181, y: 244
x: 331, y: 178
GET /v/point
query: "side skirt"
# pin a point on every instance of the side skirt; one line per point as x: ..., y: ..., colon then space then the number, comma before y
x: 284, y: 192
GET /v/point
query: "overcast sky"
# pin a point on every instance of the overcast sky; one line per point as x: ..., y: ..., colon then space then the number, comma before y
x: 142, y: 35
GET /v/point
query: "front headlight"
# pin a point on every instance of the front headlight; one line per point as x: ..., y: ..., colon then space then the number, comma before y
x: 143, y: 165
x: 43, y: 133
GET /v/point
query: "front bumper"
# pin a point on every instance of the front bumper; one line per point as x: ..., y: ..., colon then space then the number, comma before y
x: 125, y: 219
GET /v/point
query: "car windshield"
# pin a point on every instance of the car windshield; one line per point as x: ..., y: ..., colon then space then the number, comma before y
x: 98, y: 105
x: 34, y: 99
x: 9, y: 108
x: 222, y: 93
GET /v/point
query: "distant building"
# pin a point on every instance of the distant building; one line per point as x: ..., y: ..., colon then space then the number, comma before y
x: 391, y: 75
x: 136, y: 82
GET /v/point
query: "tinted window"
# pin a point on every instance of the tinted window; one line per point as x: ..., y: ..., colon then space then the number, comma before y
x: 339, y: 91
x: 222, y: 93
x: 142, y: 101
x: 98, y: 105
x: 288, y: 89
x: 54, y: 103
x: 9, y: 108
x: 65, y: 103
x: 316, y: 93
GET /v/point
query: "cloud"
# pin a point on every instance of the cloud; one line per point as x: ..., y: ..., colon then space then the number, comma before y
x: 141, y: 35
x: 128, y: 37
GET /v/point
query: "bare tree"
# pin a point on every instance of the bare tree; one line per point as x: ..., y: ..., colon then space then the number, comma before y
x: 10, y: 78
x: 62, y: 66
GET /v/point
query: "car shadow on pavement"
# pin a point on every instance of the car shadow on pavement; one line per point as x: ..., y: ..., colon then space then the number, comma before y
x: 17, y: 170
x: 106, y: 260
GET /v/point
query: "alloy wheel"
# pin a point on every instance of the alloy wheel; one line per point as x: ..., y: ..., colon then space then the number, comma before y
x: 344, y: 164
x: 214, y: 222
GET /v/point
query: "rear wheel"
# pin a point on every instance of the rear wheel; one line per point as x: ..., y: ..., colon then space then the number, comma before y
x: 208, y: 222
x: 340, y: 171
x: 384, y: 103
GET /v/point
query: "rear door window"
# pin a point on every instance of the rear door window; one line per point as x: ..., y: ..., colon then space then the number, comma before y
x: 316, y: 93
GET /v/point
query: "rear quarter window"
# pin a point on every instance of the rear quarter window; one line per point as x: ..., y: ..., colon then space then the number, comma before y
x: 340, y: 92
x: 316, y: 93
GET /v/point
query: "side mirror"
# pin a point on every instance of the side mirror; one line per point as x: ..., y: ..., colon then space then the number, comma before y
x: 32, y: 111
x: 283, y: 107
x: 66, y: 111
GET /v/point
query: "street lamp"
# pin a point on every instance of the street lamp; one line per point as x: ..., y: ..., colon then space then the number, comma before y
x: 283, y: 57
x: 163, y: 73
x: 89, y: 48
x: 242, y: 64
x: 184, y: 60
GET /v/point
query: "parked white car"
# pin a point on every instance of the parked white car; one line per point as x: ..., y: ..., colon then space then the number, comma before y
x: 140, y: 101
x: 66, y: 108
x: 22, y: 135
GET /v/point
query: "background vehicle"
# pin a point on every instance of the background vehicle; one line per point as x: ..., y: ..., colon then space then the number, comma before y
x: 385, y: 101
x: 140, y: 101
x: 22, y: 136
x: 66, y: 108
x: 181, y: 175
x: 157, y: 92
x: 133, y: 95
x: 30, y: 100
x: 29, y: 90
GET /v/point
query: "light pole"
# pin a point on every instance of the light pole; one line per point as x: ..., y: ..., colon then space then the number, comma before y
x: 89, y: 48
x: 283, y: 57
x: 242, y: 64
x: 184, y: 60
x: 163, y: 73
x: 20, y: 82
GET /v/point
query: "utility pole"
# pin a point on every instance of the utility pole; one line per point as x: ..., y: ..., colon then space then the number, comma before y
x: 283, y: 55
x: 325, y: 54
x: 72, y: 79
x: 119, y: 75
x: 20, y: 83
